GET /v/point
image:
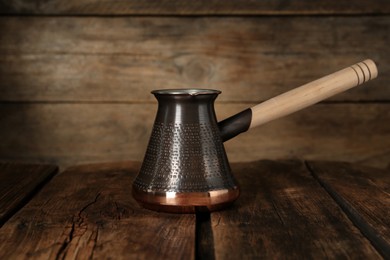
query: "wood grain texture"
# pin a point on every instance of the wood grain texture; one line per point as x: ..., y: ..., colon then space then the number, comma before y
x: 88, y: 212
x: 366, y: 198
x: 18, y: 183
x: 202, y: 7
x: 68, y: 134
x: 284, y: 212
x: 121, y: 59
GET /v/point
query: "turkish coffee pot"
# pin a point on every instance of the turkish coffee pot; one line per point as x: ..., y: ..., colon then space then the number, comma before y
x: 185, y: 168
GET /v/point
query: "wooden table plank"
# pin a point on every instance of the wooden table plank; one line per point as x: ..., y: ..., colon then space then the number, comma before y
x: 199, y: 7
x: 284, y: 212
x: 364, y: 194
x: 324, y: 131
x: 88, y: 211
x: 79, y: 59
x: 18, y: 183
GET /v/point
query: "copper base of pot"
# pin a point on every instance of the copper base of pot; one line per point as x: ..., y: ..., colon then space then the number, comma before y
x: 190, y: 202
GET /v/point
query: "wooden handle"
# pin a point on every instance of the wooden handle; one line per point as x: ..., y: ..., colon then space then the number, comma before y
x: 313, y: 92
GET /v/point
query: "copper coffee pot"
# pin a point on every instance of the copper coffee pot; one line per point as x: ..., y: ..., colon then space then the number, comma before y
x: 185, y: 166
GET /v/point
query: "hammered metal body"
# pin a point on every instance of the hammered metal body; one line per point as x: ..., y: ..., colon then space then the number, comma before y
x: 185, y: 155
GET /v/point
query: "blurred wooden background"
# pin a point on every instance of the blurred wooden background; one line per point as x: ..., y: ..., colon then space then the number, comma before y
x: 76, y: 76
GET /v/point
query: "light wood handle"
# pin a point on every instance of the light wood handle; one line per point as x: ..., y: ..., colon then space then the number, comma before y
x: 313, y: 92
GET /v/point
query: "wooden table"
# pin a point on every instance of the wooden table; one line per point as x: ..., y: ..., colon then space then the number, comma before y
x: 287, y: 209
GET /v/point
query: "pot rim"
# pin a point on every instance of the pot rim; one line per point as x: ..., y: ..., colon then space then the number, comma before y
x: 186, y: 91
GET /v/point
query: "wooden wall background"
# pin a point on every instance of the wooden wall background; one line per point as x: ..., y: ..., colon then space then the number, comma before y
x: 76, y: 76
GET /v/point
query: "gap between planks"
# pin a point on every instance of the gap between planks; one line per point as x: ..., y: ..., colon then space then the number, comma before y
x: 204, y: 239
x: 30, y: 195
x: 154, y: 102
x: 367, y: 231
